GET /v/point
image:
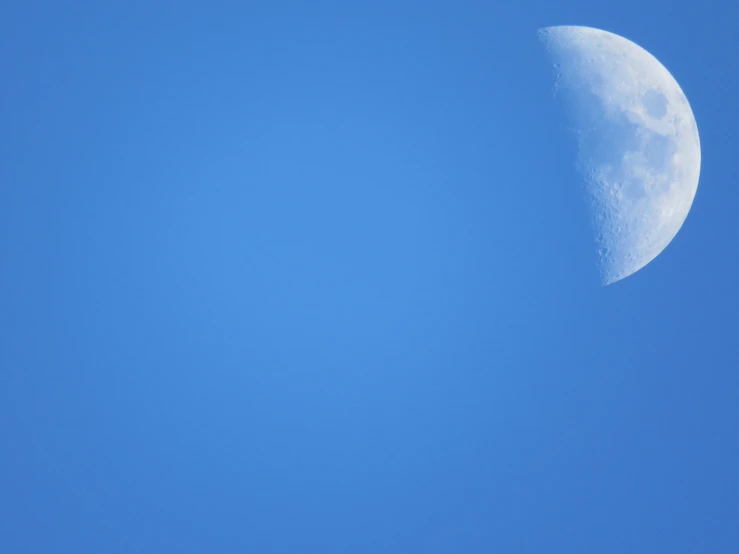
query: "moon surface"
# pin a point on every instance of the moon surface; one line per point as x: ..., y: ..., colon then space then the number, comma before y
x: 638, y: 146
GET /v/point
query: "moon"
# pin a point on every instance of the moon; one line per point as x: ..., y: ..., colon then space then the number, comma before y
x: 638, y: 147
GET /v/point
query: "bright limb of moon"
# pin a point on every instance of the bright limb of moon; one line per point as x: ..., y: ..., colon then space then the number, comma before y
x: 638, y: 146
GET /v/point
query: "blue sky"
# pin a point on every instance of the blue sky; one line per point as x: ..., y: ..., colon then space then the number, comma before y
x: 315, y: 277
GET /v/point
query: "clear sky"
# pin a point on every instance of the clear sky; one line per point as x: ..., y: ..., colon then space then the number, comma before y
x: 315, y: 277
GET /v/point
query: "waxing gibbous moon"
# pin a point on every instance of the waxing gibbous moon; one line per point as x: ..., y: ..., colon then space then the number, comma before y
x: 638, y: 146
